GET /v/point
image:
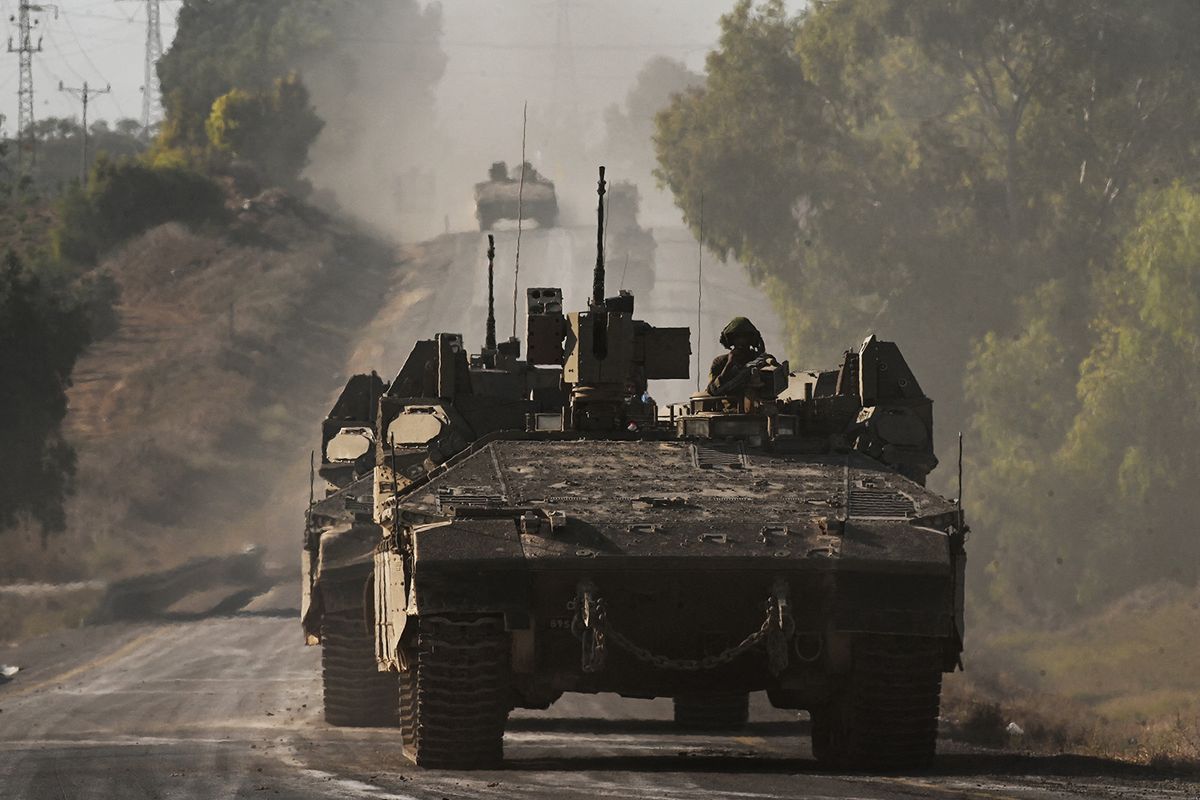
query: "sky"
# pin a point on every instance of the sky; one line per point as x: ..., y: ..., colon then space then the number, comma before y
x: 492, y: 45
x: 98, y: 41
x: 568, y: 60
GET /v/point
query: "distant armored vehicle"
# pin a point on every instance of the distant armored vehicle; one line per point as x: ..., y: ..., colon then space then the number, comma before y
x: 631, y: 247
x: 503, y: 196
x: 501, y: 531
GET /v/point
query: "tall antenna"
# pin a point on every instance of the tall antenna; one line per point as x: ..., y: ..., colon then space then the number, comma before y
x: 699, y: 291
x: 598, y: 275
x: 25, y: 47
x: 520, y: 215
x: 958, y: 501
x: 151, y: 92
x: 85, y: 94
x: 490, y: 343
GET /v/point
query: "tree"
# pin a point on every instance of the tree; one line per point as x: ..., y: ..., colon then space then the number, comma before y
x: 239, y: 50
x: 124, y: 198
x: 59, y: 142
x: 630, y: 128
x: 957, y: 175
x: 271, y: 128
x: 42, y: 333
x: 223, y: 45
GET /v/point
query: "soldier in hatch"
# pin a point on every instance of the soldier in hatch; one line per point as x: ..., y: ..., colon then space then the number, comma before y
x: 730, y: 373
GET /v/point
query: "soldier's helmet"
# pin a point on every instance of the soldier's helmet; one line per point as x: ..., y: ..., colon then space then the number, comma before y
x: 741, y: 327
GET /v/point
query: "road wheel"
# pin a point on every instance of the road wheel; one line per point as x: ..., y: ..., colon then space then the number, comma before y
x: 356, y: 693
x: 713, y: 712
x: 455, y: 695
x: 885, y: 716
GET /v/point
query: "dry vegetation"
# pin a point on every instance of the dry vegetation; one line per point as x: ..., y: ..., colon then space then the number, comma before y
x: 24, y: 227
x: 1123, y: 683
x: 189, y: 418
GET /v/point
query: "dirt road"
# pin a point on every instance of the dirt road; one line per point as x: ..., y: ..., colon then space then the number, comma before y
x: 230, y: 708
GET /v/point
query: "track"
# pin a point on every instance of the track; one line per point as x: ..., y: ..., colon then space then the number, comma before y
x: 229, y: 708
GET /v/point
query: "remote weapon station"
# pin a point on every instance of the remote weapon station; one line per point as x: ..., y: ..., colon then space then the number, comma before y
x: 498, y: 531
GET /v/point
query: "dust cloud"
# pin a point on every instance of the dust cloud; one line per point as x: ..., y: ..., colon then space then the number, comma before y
x: 422, y: 98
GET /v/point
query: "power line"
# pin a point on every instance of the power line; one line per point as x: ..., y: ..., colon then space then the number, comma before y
x: 85, y: 94
x: 85, y: 52
x: 151, y: 91
x: 25, y: 48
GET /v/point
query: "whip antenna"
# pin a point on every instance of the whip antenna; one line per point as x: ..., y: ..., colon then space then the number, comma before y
x: 490, y: 344
x: 958, y: 502
x: 520, y: 215
x: 699, y: 291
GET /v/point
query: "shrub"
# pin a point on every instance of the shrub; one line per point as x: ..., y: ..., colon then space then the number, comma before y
x: 125, y: 198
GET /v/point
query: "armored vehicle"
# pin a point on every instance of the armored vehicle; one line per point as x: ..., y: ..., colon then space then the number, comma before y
x: 503, y: 530
x: 504, y: 196
x: 631, y: 247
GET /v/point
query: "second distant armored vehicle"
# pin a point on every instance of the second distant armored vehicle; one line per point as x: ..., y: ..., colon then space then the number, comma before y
x: 631, y: 248
x: 504, y: 530
x: 505, y: 196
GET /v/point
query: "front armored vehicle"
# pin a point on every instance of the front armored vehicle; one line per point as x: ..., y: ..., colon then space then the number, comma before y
x: 500, y: 530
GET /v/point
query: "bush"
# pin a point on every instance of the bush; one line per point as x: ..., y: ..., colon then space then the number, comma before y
x: 42, y: 333
x: 271, y: 129
x: 125, y: 198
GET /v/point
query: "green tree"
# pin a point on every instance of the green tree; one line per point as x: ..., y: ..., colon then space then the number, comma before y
x: 124, y: 198
x: 223, y: 45
x: 272, y: 128
x: 630, y: 128
x: 915, y: 160
x: 957, y: 175
x: 1083, y: 461
x: 59, y: 144
x: 42, y: 333
x: 242, y: 50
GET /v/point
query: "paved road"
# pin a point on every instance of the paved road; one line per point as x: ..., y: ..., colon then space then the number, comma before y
x: 230, y: 708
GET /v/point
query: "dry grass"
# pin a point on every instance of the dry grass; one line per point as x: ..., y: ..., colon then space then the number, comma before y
x: 190, y: 417
x: 25, y: 617
x: 1123, y: 683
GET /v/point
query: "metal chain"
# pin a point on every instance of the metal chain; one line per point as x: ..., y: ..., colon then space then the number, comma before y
x: 594, y: 630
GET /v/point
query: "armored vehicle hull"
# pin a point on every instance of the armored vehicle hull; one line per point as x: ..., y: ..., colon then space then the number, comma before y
x: 707, y: 573
x: 505, y: 198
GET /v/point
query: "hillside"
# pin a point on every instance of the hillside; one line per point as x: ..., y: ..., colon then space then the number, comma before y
x: 229, y: 346
x: 1122, y: 682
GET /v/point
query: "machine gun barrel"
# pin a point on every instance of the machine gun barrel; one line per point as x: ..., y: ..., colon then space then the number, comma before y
x: 598, y: 276
x: 490, y: 344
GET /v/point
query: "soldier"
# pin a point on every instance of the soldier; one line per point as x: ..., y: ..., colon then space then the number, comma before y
x: 730, y: 373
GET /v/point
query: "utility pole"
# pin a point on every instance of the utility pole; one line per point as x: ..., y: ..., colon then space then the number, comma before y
x: 151, y: 91
x: 84, y: 94
x: 25, y: 47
